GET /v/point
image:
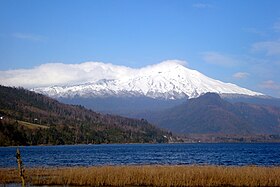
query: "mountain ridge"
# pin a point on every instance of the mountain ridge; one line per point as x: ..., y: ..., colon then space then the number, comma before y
x: 211, y: 114
x: 166, y: 80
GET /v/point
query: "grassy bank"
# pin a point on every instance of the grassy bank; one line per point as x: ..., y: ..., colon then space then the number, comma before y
x: 148, y: 176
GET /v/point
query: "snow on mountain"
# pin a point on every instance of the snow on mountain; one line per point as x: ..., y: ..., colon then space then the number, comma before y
x: 167, y: 80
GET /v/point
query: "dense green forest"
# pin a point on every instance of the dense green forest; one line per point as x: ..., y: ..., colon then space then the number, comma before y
x: 28, y: 118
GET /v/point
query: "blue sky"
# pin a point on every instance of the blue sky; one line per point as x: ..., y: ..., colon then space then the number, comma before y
x: 233, y: 41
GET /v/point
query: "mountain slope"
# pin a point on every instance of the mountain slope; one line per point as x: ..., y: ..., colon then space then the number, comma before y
x: 124, y: 106
x: 167, y: 80
x: 31, y: 118
x: 270, y: 101
x: 209, y: 114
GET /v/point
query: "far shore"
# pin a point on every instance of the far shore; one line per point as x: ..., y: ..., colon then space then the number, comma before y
x: 187, y: 142
x: 155, y: 175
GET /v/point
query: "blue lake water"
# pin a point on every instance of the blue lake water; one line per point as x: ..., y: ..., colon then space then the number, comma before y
x: 142, y: 154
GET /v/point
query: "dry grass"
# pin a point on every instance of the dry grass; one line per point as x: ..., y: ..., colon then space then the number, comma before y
x: 148, y: 176
x: 32, y: 125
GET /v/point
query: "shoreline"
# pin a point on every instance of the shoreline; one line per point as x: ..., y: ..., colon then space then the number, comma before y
x: 47, y: 145
x: 147, y: 175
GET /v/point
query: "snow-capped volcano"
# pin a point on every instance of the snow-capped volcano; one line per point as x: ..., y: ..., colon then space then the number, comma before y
x: 167, y: 80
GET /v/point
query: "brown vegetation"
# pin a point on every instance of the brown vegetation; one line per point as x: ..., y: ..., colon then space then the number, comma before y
x: 148, y: 176
x: 32, y: 125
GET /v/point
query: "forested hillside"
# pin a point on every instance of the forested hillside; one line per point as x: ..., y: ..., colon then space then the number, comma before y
x: 210, y: 114
x: 28, y: 118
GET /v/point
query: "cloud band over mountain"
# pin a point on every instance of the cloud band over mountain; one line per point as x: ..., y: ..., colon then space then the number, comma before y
x: 68, y: 74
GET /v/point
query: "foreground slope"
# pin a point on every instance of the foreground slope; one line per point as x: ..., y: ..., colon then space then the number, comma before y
x: 209, y: 114
x: 31, y: 118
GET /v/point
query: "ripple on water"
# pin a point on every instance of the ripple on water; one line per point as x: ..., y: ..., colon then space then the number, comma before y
x: 142, y: 154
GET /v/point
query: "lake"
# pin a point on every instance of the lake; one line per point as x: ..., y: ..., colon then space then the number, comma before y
x: 226, y: 154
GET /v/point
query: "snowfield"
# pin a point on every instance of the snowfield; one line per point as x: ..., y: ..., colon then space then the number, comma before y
x: 166, y: 80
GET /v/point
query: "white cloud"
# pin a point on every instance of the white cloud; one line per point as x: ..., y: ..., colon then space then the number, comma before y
x: 270, y: 48
x: 255, y: 31
x: 181, y: 62
x: 202, y: 5
x: 70, y: 74
x: 276, y: 26
x: 30, y: 37
x: 270, y: 84
x: 219, y: 59
x: 60, y: 74
x: 241, y: 75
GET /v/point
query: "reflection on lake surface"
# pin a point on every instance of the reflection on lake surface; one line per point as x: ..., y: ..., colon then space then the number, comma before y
x: 143, y: 154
